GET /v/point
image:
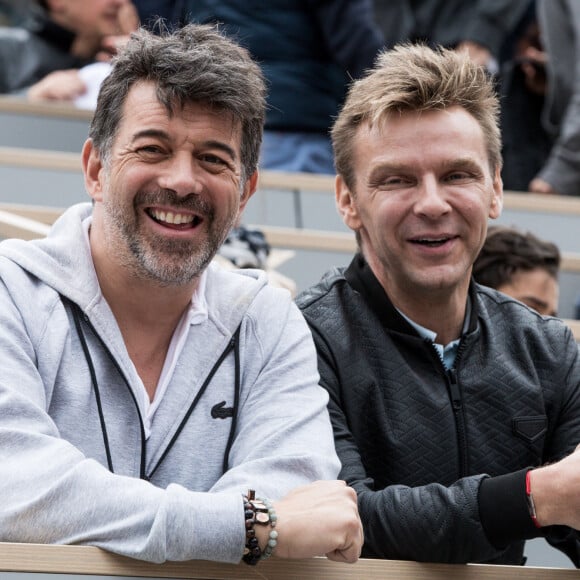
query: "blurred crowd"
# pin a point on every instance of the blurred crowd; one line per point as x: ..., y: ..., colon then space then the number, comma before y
x: 311, y: 51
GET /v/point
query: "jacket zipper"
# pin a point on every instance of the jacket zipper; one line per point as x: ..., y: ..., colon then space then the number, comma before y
x: 457, y: 406
x: 457, y: 403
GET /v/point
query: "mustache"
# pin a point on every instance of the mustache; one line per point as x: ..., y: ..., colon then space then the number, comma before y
x: 192, y: 202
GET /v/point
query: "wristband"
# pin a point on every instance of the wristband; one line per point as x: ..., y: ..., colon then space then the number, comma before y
x: 530, y: 500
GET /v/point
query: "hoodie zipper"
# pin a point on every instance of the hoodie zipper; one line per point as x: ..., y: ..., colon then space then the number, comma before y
x: 233, y: 345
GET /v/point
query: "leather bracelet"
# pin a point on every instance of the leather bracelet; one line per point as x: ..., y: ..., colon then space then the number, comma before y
x: 530, y: 500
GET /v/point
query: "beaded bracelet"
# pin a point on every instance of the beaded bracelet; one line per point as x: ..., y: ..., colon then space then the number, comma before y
x: 258, y: 511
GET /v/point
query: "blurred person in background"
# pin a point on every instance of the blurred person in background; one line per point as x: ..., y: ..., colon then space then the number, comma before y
x: 559, y: 22
x: 309, y: 51
x: 43, y: 58
x: 479, y: 27
x: 522, y: 80
x: 520, y: 265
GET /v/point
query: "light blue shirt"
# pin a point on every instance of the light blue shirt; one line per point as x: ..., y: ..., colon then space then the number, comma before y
x: 447, y: 352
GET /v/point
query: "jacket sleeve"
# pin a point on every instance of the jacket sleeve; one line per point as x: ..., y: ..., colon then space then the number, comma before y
x: 493, y: 21
x: 560, y: 22
x: 350, y: 32
x: 426, y: 523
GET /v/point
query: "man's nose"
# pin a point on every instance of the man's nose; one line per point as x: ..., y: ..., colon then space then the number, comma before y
x: 431, y: 198
x: 182, y: 176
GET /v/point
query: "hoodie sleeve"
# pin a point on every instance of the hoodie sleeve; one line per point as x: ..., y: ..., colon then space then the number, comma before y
x: 51, y: 493
x: 284, y: 437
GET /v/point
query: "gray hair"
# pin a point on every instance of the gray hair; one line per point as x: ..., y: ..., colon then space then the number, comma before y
x: 194, y: 64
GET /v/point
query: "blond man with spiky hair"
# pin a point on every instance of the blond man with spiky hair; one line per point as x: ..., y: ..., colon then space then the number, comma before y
x: 447, y: 398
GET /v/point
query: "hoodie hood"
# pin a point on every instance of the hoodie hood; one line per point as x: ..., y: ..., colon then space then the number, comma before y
x: 60, y: 260
x: 63, y: 262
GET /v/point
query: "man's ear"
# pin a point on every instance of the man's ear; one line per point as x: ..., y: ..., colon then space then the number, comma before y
x: 249, y: 189
x: 92, y: 167
x: 345, y: 203
x: 497, y: 196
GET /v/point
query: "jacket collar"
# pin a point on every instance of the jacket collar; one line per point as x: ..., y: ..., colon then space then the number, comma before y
x: 362, y: 279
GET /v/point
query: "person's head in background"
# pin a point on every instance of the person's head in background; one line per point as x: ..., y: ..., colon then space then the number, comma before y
x: 521, y: 265
x: 90, y: 21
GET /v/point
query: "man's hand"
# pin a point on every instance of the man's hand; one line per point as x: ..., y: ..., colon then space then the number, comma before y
x: 60, y: 85
x: 319, y: 519
x: 478, y: 53
x: 538, y: 185
x: 555, y: 491
x: 128, y: 21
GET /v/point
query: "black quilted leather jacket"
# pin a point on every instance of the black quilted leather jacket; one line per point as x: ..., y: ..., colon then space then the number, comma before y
x: 438, y: 458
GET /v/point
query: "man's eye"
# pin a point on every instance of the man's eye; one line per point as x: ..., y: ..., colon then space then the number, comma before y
x: 392, y: 182
x: 459, y: 176
x: 213, y: 159
x: 149, y: 149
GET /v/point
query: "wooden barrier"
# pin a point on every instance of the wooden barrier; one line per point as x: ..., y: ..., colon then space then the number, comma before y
x: 60, y: 110
x: 30, y: 222
x: 81, y: 560
x: 50, y: 126
x: 277, y: 180
x: 40, y: 159
x: 278, y: 237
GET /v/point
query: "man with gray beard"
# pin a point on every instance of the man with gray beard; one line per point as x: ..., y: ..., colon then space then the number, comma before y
x: 148, y: 397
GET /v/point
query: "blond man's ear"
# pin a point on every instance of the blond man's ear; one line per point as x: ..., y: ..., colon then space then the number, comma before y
x: 346, y: 204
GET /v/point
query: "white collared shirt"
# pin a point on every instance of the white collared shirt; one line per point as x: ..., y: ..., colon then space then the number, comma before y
x: 197, y: 313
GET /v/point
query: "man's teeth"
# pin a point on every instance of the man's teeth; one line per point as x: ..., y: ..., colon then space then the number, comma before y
x: 172, y: 218
x: 432, y: 241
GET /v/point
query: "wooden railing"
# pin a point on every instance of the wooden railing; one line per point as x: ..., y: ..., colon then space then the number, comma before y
x: 30, y: 222
x: 60, y: 110
x: 278, y: 237
x: 81, y: 560
x: 302, y: 182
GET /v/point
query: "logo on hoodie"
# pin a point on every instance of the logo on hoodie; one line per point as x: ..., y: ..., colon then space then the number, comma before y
x: 220, y: 411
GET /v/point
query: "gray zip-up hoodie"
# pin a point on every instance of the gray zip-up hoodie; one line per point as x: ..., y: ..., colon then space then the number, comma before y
x: 69, y: 409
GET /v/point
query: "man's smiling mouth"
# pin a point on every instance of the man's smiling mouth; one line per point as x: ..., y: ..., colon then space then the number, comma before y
x: 170, y: 218
x: 431, y: 242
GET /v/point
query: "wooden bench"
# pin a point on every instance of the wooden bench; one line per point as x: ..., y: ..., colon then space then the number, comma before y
x: 81, y: 561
